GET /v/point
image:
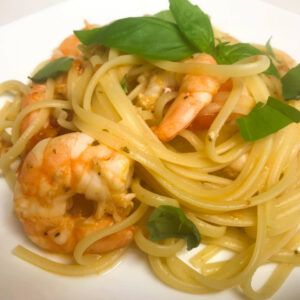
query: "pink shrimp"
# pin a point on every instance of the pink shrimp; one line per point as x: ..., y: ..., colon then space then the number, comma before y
x: 195, y: 93
x: 68, y: 188
x: 36, y: 94
x: 207, y: 115
x: 69, y: 47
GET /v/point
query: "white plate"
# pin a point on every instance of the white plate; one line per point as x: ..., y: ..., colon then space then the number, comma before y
x: 26, y: 42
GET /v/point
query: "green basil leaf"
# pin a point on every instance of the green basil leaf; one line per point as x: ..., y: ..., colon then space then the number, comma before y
x: 291, y: 84
x: 269, y: 49
x: 169, y: 221
x: 52, y: 69
x: 194, y: 24
x: 230, y: 53
x: 272, y: 70
x: 89, y: 37
x: 165, y: 15
x: 149, y: 37
x: 266, y: 119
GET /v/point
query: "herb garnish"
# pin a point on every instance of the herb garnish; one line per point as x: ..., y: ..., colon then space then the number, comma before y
x: 53, y: 69
x: 266, y: 119
x: 171, y: 34
x: 269, y: 49
x: 169, y: 221
x: 291, y: 84
x: 149, y: 37
x: 194, y: 25
x: 227, y: 53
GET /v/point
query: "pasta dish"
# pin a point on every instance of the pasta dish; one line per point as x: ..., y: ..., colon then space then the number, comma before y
x: 165, y: 133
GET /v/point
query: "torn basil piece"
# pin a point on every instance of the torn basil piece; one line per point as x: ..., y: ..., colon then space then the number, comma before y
x: 227, y: 54
x: 171, y: 222
x: 266, y: 119
x: 53, y: 69
x: 291, y: 84
x: 194, y: 24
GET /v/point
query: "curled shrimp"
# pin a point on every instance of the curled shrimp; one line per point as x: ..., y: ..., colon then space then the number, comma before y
x: 207, y: 115
x: 195, y: 93
x: 68, y: 188
x: 37, y: 93
x: 69, y: 47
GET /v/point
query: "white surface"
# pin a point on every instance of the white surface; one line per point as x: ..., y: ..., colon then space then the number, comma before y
x: 26, y: 42
x: 11, y: 10
x: 291, y: 5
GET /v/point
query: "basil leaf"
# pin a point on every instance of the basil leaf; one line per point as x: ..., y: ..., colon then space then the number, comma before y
x: 169, y: 221
x: 266, y: 119
x: 165, y: 15
x: 269, y: 49
x: 149, y: 37
x: 53, y: 69
x: 291, y: 84
x: 230, y: 53
x: 272, y: 70
x: 194, y: 24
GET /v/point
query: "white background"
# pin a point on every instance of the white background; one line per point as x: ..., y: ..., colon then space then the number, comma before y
x: 11, y: 10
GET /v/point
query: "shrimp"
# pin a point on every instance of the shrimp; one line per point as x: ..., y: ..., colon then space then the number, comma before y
x: 69, y: 47
x: 194, y: 94
x: 159, y: 83
x: 68, y: 188
x: 207, y: 115
x: 37, y: 93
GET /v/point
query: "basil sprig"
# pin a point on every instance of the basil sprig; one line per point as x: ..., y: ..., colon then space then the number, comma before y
x: 291, y: 84
x: 149, y: 37
x: 230, y: 53
x: 53, y: 69
x: 194, y: 25
x: 172, y: 34
x: 266, y: 119
x: 168, y: 221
